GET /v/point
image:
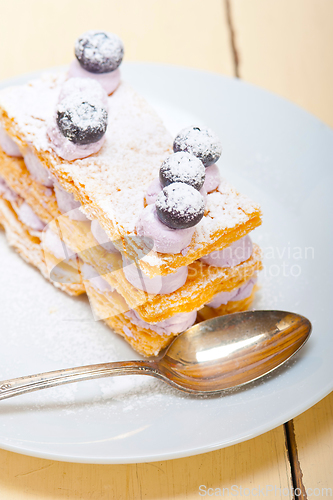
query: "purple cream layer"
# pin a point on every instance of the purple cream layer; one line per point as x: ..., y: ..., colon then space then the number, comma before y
x: 109, y: 81
x: 155, y: 188
x: 91, y: 275
x: 8, y: 145
x: 38, y: 172
x: 239, y: 251
x: 57, y: 247
x: 29, y: 218
x: 153, y: 191
x: 67, y: 149
x: 168, y: 240
x: 6, y: 192
x: 101, y: 237
x: 165, y: 240
x: 240, y: 293
x: 68, y: 205
x: 24, y: 211
x: 159, y: 284
x: 212, y: 179
x: 177, y: 324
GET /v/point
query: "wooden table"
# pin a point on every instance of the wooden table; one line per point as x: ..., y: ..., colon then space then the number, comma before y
x: 282, y: 45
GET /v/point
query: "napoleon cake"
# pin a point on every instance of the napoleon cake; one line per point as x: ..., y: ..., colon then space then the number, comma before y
x: 98, y: 196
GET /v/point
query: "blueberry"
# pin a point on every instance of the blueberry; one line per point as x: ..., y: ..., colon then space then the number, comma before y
x: 183, y: 167
x: 200, y: 142
x: 80, y: 121
x: 99, y: 52
x: 180, y: 206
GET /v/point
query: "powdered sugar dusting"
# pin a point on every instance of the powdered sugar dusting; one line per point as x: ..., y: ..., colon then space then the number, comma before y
x: 83, y: 115
x: 31, y: 106
x: 201, y: 142
x: 86, y: 88
x: 183, y: 167
x: 99, y: 52
x: 117, y: 177
x: 182, y: 199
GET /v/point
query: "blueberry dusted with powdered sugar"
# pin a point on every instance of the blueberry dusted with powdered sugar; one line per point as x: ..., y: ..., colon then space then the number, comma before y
x: 77, y: 128
x: 80, y: 121
x: 99, y: 52
x: 180, y: 206
x: 182, y: 167
x: 200, y: 142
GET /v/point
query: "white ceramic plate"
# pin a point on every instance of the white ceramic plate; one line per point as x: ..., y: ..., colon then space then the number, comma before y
x: 277, y: 154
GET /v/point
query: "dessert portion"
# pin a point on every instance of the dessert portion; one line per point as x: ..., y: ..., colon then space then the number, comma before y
x: 96, y: 194
x: 24, y: 232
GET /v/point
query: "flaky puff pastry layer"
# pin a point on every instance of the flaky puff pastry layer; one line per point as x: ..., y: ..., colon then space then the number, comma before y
x: 28, y: 245
x: 112, y: 183
x: 139, y: 338
x: 144, y: 340
x: 109, y: 305
x: 203, y: 281
x: 40, y: 198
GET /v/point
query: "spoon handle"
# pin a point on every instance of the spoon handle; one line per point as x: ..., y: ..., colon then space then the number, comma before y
x: 21, y: 385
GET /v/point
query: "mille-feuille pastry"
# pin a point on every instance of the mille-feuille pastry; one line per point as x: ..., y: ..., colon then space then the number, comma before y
x: 103, y: 297
x: 201, y: 281
x: 82, y: 238
x: 107, y: 159
x: 24, y: 232
x: 45, y: 204
x: 112, y: 183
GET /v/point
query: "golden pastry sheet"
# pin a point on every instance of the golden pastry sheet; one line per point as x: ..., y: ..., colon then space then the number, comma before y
x: 29, y: 248
x: 111, y: 308
x: 144, y: 340
x: 157, y: 264
x: 139, y: 338
x: 40, y: 198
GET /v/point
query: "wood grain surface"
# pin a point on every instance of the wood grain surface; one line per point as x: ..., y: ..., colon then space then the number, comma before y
x: 314, y: 439
x: 184, y: 32
x: 286, y: 46
x: 259, y: 462
x: 282, y: 45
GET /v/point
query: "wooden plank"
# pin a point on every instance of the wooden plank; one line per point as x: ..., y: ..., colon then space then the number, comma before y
x: 261, y: 462
x: 314, y: 440
x: 296, y: 471
x: 286, y: 46
x: 39, y: 34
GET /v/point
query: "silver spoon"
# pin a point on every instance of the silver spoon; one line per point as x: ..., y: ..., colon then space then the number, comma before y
x: 209, y: 357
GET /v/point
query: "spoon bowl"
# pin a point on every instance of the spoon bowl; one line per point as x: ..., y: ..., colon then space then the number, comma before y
x: 229, y: 351
x: 217, y: 354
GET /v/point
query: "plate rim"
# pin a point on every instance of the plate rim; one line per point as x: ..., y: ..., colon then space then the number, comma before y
x: 287, y: 415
